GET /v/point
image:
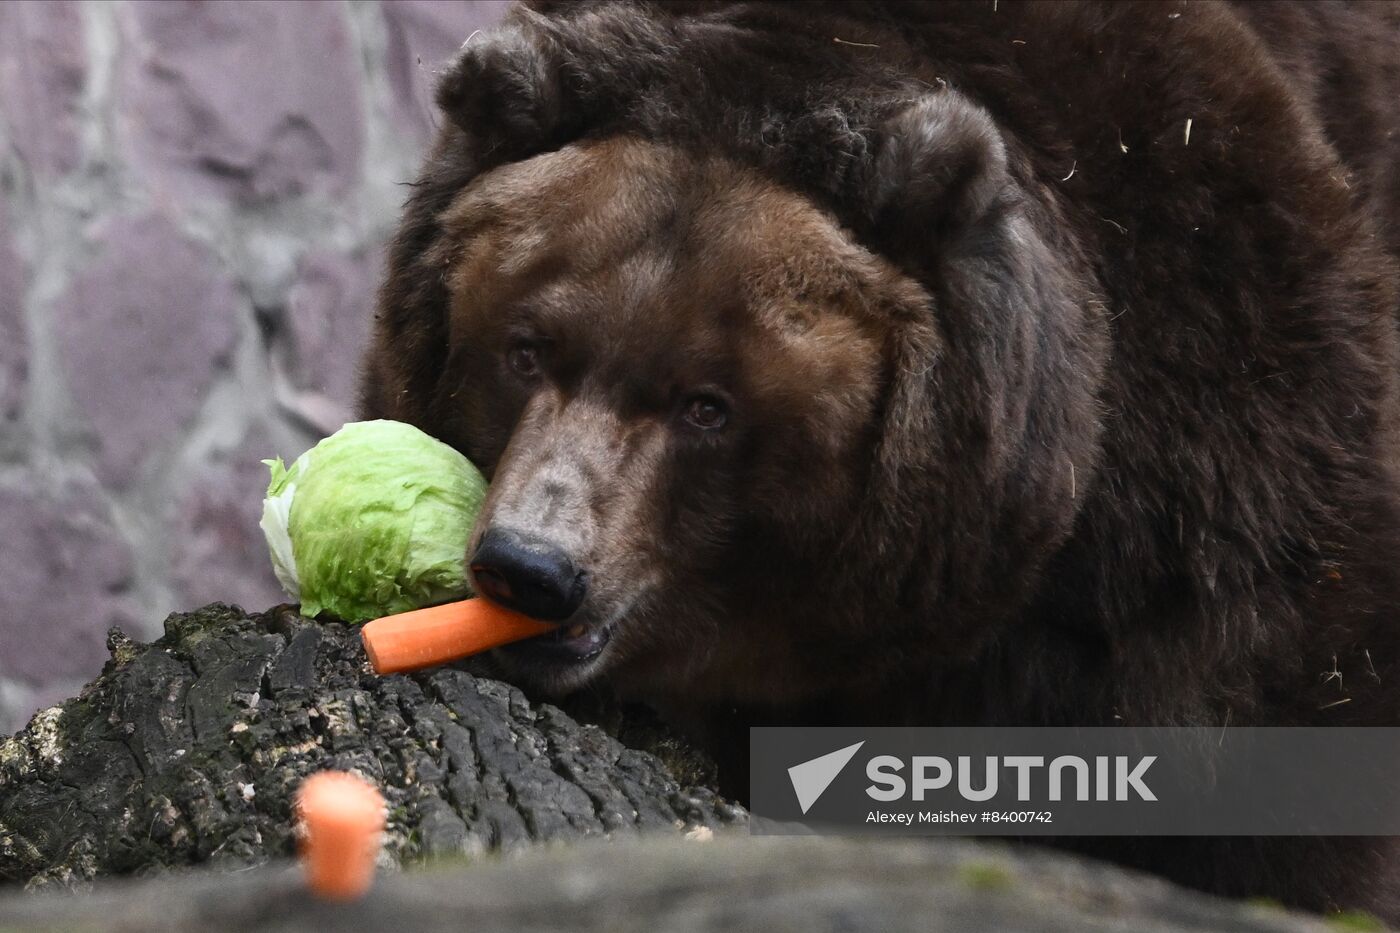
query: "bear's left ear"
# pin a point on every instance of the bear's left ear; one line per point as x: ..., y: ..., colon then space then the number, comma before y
x: 939, y: 170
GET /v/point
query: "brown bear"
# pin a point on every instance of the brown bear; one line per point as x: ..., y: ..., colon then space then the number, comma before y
x: 931, y: 363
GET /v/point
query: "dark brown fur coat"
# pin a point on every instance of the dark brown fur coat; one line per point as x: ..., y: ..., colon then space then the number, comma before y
x: 1135, y: 459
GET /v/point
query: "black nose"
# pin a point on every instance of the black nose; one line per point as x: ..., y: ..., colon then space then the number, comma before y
x: 528, y: 575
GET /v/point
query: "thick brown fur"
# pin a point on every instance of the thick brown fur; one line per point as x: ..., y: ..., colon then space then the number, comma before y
x: 1058, y: 343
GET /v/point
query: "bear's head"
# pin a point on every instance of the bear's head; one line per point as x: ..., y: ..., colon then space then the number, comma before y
x: 750, y: 433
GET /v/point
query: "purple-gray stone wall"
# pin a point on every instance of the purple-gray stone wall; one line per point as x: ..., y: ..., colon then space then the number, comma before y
x: 194, y: 201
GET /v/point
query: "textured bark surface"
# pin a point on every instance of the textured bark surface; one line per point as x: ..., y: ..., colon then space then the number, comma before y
x: 734, y: 884
x: 188, y: 750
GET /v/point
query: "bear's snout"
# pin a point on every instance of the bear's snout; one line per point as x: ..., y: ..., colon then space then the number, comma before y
x: 527, y: 574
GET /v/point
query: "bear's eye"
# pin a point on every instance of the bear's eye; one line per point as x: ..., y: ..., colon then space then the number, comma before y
x: 706, y: 412
x: 524, y: 359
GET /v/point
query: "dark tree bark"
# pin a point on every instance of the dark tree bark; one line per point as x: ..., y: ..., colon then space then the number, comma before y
x: 188, y: 750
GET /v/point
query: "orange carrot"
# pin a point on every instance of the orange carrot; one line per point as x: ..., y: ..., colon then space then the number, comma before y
x: 342, y: 819
x: 427, y: 637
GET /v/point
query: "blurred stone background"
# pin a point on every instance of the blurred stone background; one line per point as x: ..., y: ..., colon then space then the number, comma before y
x: 194, y: 199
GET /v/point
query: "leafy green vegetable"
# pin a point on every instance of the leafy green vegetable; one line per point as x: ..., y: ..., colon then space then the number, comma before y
x: 372, y: 520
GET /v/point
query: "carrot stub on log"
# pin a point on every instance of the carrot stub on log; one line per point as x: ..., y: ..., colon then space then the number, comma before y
x: 342, y: 819
x: 429, y: 637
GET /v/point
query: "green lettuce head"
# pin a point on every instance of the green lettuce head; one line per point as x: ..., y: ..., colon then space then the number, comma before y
x: 371, y: 521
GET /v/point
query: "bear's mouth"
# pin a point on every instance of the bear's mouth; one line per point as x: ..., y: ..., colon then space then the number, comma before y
x: 567, y: 643
x: 572, y: 653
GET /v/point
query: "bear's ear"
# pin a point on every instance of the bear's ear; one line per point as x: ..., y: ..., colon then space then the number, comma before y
x: 506, y: 91
x: 939, y: 169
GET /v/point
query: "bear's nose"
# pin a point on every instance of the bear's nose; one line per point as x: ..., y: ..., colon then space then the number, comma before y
x: 527, y: 574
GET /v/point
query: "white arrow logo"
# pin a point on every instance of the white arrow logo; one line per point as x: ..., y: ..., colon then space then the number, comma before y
x: 811, y: 778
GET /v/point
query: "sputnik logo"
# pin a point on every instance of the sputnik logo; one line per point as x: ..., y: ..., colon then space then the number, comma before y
x: 811, y: 778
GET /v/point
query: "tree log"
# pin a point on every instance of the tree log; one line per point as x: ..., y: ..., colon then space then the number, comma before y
x: 756, y: 884
x: 188, y: 750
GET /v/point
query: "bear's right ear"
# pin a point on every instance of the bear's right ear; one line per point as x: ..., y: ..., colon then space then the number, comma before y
x: 506, y: 91
x: 939, y: 170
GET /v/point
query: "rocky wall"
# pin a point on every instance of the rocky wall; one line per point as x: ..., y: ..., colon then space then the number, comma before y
x: 194, y: 200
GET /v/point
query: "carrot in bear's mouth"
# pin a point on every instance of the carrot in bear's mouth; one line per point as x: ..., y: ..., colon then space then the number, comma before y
x: 429, y: 637
x: 342, y: 819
